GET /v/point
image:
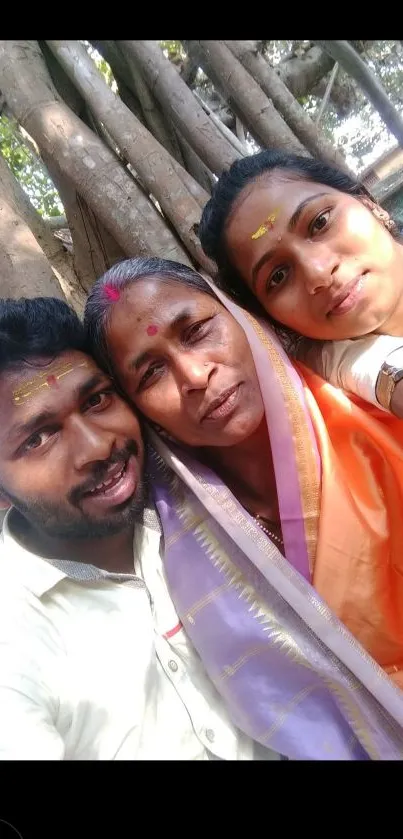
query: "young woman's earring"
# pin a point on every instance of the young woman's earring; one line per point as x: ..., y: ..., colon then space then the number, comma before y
x: 381, y: 215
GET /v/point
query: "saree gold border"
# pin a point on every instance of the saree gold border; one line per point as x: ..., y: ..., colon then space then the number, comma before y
x: 277, y: 636
x: 307, y: 466
x: 223, y: 498
x: 354, y: 715
x: 288, y: 707
x: 174, y: 537
x: 351, y: 711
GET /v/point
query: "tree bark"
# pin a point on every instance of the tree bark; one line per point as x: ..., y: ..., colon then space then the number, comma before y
x: 94, y: 248
x: 148, y: 157
x: 196, y: 169
x: 222, y: 127
x: 153, y: 118
x: 24, y: 269
x: 178, y: 102
x: 60, y: 261
x: 282, y: 98
x: 344, y: 92
x: 353, y: 64
x: 81, y: 156
x: 123, y: 70
x: 245, y: 96
x: 302, y: 74
x: 148, y: 111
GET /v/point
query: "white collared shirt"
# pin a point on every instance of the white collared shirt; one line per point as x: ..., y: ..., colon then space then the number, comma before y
x: 87, y: 674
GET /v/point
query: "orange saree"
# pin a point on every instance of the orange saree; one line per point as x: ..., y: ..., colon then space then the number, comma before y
x: 358, y: 569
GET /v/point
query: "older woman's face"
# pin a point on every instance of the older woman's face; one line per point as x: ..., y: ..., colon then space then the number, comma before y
x: 185, y: 363
x: 317, y: 259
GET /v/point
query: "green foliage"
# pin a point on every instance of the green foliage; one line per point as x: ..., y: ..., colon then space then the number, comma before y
x: 28, y: 169
x: 173, y: 50
x: 101, y: 65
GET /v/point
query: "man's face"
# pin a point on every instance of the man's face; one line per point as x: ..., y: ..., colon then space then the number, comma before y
x: 71, y: 453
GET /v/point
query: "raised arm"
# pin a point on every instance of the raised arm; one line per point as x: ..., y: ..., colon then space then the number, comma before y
x: 371, y: 367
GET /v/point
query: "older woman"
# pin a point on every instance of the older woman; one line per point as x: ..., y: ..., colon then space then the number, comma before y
x: 269, y: 513
x: 321, y: 257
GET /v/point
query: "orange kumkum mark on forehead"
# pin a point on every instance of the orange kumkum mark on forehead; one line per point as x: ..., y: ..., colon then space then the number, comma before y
x: 268, y: 224
x: 48, y: 378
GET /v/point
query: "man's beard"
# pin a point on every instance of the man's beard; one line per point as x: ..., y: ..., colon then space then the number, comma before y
x: 68, y: 521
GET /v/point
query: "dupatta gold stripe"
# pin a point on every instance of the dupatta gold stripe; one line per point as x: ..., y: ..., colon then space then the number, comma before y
x: 307, y: 468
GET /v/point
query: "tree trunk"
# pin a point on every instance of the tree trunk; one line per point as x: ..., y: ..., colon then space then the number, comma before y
x: 245, y: 96
x: 148, y: 157
x: 178, y: 102
x: 301, y: 74
x: 124, y: 74
x: 222, y: 127
x: 24, y: 269
x: 56, y: 222
x: 123, y: 77
x: 94, y: 248
x: 153, y: 117
x: 353, y: 64
x: 282, y: 98
x: 81, y: 156
x: 53, y: 250
x: 196, y: 168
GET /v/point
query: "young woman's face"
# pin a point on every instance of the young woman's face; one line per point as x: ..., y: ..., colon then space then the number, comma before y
x: 185, y: 363
x: 317, y: 259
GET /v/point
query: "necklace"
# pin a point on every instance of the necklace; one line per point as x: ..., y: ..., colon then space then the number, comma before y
x: 278, y: 539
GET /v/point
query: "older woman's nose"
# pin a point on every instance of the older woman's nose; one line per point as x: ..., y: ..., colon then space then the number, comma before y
x: 195, y: 373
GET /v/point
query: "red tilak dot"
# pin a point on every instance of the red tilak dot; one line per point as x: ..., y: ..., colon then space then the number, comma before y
x: 51, y: 381
x: 152, y: 330
x: 112, y: 293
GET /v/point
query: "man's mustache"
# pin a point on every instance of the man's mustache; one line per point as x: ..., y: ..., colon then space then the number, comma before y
x: 100, y: 471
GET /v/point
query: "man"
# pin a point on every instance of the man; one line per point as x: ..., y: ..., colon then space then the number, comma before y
x: 94, y: 664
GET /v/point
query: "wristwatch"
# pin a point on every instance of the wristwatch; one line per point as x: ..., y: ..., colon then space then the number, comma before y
x: 386, y: 382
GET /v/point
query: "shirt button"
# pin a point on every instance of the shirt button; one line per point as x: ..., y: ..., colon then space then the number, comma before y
x: 210, y: 735
x: 173, y: 665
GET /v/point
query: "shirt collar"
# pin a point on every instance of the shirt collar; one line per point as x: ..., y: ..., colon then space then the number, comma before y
x: 40, y: 575
x: 33, y: 571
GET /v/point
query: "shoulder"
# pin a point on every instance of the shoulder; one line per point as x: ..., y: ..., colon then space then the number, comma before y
x: 25, y: 580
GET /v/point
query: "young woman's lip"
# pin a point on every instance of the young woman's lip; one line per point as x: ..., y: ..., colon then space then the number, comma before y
x: 218, y: 401
x: 343, y: 294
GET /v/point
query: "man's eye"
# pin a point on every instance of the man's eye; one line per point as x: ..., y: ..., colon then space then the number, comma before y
x: 35, y: 441
x: 99, y: 400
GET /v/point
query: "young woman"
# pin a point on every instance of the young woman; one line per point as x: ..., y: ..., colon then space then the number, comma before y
x: 272, y: 516
x: 323, y: 260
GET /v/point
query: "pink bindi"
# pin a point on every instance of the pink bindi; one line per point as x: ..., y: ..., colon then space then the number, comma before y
x: 152, y: 330
x: 112, y: 293
x: 51, y: 381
